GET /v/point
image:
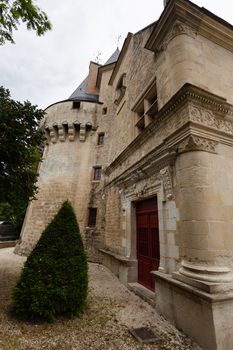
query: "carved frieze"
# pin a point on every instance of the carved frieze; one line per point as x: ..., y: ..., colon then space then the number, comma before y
x: 208, y: 118
x: 151, y: 185
x: 196, y: 143
x: 143, y: 188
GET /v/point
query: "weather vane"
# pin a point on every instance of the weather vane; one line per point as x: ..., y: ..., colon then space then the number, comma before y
x: 118, y: 40
x: 98, y: 59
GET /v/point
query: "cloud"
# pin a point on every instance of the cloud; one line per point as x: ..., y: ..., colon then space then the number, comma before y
x: 49, y: 68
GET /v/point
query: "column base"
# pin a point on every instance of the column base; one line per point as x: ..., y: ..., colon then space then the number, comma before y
x: 204, y: 311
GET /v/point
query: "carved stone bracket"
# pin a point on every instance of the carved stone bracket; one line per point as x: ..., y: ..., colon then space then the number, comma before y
x: 52, y: 135
x: 66, y: 131
x: 208, y: 118
x: 61, y: 133
x: 196, y: 143
x: 165, y: 175
x: 46, y: 134
x: 71, y: 132
x: 177, y: 29
x: 82, y: 133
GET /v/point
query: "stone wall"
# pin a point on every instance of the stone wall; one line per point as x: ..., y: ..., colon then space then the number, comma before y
x: 66, y: 169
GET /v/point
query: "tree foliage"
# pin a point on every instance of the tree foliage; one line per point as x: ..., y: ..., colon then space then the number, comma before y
x: 12, y: 12
x: 54, y: 279
x: 20, y: 143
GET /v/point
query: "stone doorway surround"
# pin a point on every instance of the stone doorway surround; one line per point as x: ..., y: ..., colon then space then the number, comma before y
x: 167, y: 215
x: 148, y: 252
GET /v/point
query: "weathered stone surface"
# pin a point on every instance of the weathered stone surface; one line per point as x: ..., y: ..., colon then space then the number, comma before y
x: 166, y: 111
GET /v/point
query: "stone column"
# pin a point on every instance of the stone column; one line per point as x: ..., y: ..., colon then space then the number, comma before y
x: 203, y: 224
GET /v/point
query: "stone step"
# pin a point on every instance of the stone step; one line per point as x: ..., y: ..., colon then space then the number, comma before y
x: 8, y: 238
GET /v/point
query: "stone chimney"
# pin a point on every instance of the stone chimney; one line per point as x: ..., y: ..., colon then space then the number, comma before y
x: 92, y: 76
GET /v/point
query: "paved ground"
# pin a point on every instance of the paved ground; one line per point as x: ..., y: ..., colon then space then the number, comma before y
x: 111, y: 311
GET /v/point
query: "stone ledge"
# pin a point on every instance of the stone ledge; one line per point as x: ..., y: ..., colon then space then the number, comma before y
x: 121, y: 258
x: 8, y: 244
x: 207, y: 318
x: 209, y: 287
x: 215, y: 297
x: 142, y: 292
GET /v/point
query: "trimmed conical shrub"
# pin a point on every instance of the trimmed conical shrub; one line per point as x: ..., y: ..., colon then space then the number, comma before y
x: 54, y: 279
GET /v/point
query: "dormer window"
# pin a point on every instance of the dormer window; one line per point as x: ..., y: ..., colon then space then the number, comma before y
x: 120, y: 89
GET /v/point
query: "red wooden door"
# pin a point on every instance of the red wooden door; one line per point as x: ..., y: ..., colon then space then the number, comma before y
x: 148, y: 254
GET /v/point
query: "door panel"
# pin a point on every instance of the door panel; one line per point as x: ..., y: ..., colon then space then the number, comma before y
x: 148, y: 254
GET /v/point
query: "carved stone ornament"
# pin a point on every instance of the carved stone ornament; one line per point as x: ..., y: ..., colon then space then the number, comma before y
x: 207, y: 118
x: 71, y: 132
x: 82, y: 133
x: 196, y: 143
x: 165, y: 176
x: 52, y: 135
x: 142, y: 189
x: 61, y: 133
x: 177, y: 29
x: 66, y: 131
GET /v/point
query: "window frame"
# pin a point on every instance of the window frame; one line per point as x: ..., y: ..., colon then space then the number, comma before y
x: 92, y: 217
x: 100, y: 140
x: 76, y: 105
x: 97, y: 170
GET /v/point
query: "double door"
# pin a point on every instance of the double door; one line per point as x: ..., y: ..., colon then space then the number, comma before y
x: 148, y: 254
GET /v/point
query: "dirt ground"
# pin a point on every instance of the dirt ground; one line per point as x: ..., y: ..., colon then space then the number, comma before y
x: 111, y: 311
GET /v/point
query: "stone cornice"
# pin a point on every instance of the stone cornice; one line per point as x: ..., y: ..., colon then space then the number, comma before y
x: 188, y: 18
x: 203, y: 108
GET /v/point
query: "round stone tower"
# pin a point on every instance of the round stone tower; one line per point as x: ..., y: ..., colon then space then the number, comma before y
x: 66, y: 170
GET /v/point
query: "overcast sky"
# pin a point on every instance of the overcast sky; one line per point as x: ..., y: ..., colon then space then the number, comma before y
x: 47, y: 69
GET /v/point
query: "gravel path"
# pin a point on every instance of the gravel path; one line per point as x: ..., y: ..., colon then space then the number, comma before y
x: 111, y: 310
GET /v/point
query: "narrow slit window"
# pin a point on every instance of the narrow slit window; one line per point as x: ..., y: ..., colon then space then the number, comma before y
x: 97, y: 173
x: 92, y: 217
x: 104, y: 110
x: 100, y: 139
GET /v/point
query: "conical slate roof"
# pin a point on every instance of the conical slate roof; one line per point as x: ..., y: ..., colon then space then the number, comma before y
x: 114, y: 57
x: 80, y: 93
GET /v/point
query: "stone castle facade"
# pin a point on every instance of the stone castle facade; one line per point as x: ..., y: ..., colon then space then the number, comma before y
x: 143, y: 151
